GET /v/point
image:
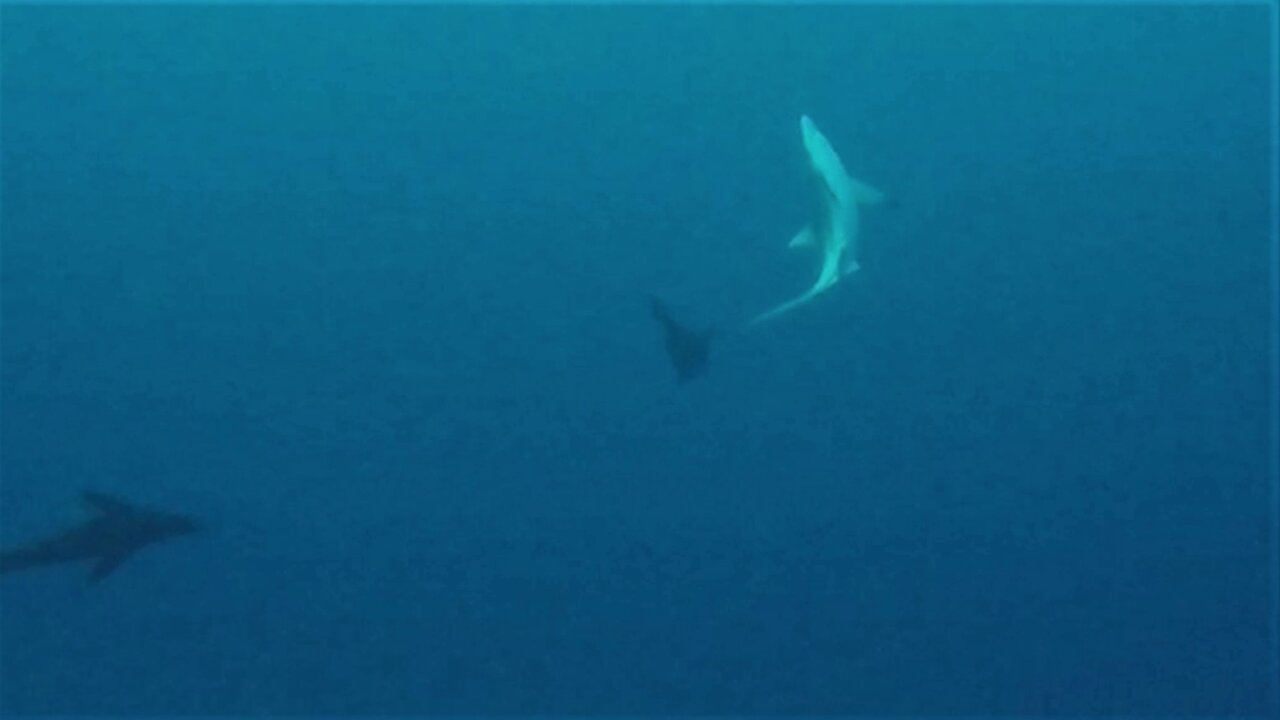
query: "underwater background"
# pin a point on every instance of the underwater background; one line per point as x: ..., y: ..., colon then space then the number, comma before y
x: 365, y: 288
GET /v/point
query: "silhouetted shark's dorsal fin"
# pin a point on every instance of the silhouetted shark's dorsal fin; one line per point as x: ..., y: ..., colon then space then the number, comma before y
x: 106, y: 504
x: 106, y: 565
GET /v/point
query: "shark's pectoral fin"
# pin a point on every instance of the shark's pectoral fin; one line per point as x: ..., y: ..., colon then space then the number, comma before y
x: 864, y: 194
x: 850, y: 267
x: 803, y: 239
x: 105, y: 566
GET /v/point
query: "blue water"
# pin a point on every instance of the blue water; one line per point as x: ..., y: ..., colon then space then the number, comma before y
x: 365, y: 289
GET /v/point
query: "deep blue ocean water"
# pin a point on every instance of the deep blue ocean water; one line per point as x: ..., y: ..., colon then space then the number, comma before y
x: 365, y: 288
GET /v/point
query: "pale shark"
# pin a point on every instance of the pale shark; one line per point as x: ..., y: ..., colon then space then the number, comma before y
x: 834, y: 233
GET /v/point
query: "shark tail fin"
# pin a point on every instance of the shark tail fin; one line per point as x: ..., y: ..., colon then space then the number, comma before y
x: 864, y: 194
x: 787, y: 306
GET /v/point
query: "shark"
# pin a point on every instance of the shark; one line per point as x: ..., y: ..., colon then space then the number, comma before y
x: 687, y: 348
x: 116, y: 530
x: 834, y: 232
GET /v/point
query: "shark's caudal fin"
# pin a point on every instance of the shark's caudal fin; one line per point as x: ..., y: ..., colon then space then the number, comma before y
x: 789, y: 305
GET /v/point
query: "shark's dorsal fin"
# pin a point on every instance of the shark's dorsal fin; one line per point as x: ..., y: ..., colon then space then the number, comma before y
x: 803, y: 239
x: 864, y: 194
x: 106, y: 565
x: 106, y: 504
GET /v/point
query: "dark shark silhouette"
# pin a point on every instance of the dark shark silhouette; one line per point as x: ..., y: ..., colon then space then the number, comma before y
x: 115, y: 532
x: 688, y: 349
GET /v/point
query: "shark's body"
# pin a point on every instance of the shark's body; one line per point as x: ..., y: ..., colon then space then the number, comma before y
x: 688, y: 349
x: 834, y: 232
x: 111, y: 536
